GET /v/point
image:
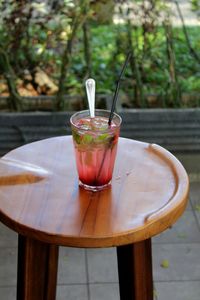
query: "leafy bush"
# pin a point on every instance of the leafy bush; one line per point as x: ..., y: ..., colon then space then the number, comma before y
x: 71, y: 40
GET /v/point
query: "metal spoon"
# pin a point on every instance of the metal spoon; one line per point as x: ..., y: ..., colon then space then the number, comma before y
x: 90, y: 89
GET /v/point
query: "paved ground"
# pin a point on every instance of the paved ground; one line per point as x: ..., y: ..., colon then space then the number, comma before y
x: 191, y: 18
x: 92, y: 274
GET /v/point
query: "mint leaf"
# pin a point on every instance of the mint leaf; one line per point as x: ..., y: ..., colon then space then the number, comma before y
x: 76, y: 136
x: 87, y: 139
x: 104, y: 138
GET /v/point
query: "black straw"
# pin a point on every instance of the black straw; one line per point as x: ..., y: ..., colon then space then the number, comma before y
x: 117, y: 88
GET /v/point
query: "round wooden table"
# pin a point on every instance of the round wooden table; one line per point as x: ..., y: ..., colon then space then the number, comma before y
x: 41, y: 200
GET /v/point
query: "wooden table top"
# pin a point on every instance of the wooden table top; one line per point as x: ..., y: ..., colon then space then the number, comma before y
x: 40, y: 196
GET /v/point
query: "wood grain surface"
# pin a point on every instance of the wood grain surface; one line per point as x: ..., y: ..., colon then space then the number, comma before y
x: 40, y: 196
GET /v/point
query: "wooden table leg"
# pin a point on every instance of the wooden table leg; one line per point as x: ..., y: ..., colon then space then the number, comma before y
x: 37, y: 270
x: 135, y: 271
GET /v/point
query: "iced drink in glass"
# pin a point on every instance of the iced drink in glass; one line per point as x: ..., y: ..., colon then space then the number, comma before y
x: 95, y: 145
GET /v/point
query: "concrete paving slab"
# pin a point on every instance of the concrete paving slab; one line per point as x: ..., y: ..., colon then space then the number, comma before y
x: 7, y: 293
x: 197, y: 214
x: 190, y: 17
x: 8, y: 269
x: 195, y: 200
x: 190, y: 163
x: 71, y: 292
x: 195, y: 195
x: 186, y: 230
x: 189, y: 206
x: 72, y: 266
x: 108, y: 291
x: 8, y: 237
x: 182, y: 260
x: 102, y: 265
x: 185, y: 290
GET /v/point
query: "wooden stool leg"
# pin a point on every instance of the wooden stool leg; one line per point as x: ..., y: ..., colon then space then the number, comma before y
x: 135, y: 271
x: 37, y: 270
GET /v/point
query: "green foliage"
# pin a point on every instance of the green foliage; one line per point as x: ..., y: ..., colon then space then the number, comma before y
x: 36, y: 34
x: 195, y: 5
x: 106, y: 59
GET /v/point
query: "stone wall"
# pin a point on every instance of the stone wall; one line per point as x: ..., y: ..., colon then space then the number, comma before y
x: 178, y: 130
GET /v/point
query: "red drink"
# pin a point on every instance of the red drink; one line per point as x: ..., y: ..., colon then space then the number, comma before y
x: 95, y: 147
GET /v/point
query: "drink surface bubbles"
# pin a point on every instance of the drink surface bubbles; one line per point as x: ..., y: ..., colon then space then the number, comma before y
x: 96, y: 124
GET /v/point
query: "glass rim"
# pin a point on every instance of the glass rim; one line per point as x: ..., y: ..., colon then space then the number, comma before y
x: 96, y: 110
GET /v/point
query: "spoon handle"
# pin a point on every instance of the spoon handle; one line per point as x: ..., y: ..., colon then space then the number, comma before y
x: 90, y: 89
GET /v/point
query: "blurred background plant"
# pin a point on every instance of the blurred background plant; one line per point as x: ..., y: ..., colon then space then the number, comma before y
x: 50, y: 47
x: 195, y: 6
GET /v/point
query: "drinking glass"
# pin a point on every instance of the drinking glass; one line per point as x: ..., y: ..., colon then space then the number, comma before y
x: 95, y: 144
